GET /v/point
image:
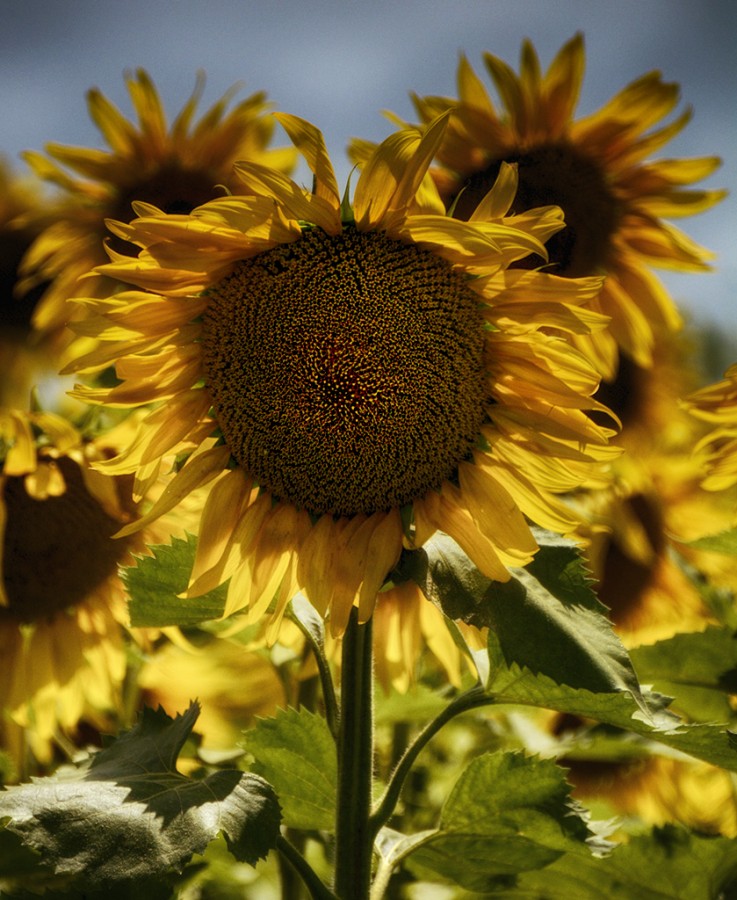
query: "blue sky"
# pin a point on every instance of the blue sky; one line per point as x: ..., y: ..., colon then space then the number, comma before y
x: 340, y: 63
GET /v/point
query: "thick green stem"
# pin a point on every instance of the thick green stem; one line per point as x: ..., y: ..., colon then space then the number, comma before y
x: 353, y: 838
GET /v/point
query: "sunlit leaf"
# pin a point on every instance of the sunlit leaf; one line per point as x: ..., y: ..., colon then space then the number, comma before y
x: 667, y: 864
x: 508, y: 813
x: 127, y: 815
x: 699, y: 669
x: 155, y: 582
x: 648, y: 717
x: 546, y: 617
x: 723, y: 542
x: 296, y: 753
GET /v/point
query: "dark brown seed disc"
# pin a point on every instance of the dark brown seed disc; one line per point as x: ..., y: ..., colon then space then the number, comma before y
x: 560, y: 175
x: 346, y: 371
x: 58, y: 550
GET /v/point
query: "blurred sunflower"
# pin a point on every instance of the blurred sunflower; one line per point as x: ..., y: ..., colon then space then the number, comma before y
x: 352, y: 376
x: 595, y: 169
x: 650, y: 788
x: 717, y: 404
x: 176, y: 168
x: 233, y: 684
x: 656, y: 504
x: 62, y: 603
x: 24, y: 363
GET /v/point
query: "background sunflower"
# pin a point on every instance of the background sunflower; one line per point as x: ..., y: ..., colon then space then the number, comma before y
x: 368, y: 60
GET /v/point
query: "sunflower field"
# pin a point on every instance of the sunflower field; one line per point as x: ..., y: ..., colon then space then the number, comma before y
x: 373, y: 539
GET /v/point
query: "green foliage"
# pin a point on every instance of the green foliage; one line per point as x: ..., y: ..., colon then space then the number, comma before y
x: 295, y: 752
x: 648, y: 717
x: 699, y: 669
x: 723, y: 542
x: 155, y: 582
x: 507, y: 814
x: 666, y: 864
x: 126, y: 818
x: 546, y: 617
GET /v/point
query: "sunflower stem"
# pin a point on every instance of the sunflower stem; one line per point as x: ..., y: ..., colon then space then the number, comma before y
x: 471, y: 699
x: 316, y: 888
x: 353, y: 840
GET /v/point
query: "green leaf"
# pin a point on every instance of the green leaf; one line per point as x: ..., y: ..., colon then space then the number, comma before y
x: 718, y: 599
x: 127, y: 815
x: 647, y: 716
x: 508, y: 813
x: 22, y: 868
x: 155, y: 582
x: 296, y: 753
x: 666, y: 864
x: 699, y: 669
x: 546, y: 617
x: 722, y: 542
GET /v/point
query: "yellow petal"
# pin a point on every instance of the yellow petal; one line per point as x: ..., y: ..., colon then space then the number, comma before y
x: 235, y: 556
x: 219, y: 518
x: 382, y: 554
x: 497, y: 515
x: 197, y: 471
x: 311, y: 144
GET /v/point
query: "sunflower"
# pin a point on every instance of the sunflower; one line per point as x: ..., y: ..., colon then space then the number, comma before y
x: 233, y: 683
x: 62, y: 603
x: 717, y: 404
x: 641, y: 524
x: 650, y: 788
x: 596, y: 169
x: 349, y: 376
x: 177, y: 168
x: 24, y: 363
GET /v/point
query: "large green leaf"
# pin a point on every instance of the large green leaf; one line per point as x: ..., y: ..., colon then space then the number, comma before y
x: 508, y: 813
x: 546, y: 617
x: 667, y: 864
x: 155, y: 582
x: 127, y: 815
x: 699, y: 669
x: 296, y: 753
x: 647, y: 716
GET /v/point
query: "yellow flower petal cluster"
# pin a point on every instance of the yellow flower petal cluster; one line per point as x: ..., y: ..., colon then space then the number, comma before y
x: 23, y: 364
x: 62, y: 603
x: 60, y: 598
x: 596, y: 168
x: 640, y: 529
x: 220, y: 669
x: 717, y: 404
x: 177, y: 167
x: 349, y: 378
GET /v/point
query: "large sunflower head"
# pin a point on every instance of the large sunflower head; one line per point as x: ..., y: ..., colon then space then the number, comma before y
x: 351, y: 376
x: 596, y: 168
x: 176, y: 166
